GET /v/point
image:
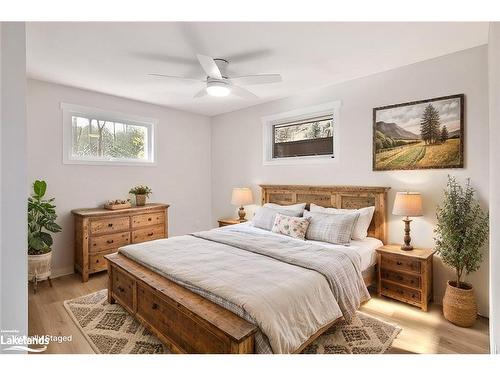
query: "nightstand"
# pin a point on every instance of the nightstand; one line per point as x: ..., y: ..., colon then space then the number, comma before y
x: 405, y: 276
x: 226, y: 222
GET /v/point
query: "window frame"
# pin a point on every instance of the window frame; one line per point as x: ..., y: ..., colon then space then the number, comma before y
x: 69, y: 110
x: 268, y: 123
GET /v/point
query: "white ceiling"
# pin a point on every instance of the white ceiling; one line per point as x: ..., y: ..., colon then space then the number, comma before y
x: 114, y: 58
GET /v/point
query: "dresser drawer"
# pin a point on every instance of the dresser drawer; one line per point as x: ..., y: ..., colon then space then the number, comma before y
x: 109, y: 241
x: 109, y: 225
x: 400, y: 263
x: 169, y: 319
x: 400, y: 292
x: 148, y: 234
x: 123, y: 287
x: 97, y: 262
x: 144, y: 220
x: 401, y: 278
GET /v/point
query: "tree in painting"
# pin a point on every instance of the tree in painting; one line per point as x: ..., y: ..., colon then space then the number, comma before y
x: 429, y: 126
x: 444, y: 134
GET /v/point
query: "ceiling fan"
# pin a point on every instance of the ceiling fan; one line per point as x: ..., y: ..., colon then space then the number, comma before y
x: 219, y: 84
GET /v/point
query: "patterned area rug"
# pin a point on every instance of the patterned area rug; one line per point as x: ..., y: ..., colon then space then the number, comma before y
x: 111, y: 330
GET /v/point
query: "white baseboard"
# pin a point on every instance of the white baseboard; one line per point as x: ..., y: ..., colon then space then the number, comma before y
x: 62, y: 272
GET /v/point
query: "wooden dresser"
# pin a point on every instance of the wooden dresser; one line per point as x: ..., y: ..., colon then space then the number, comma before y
x: 405, y: 275
x: 99, y: 232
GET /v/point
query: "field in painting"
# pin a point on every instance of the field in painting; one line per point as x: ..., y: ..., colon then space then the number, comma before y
x: 419, y: 155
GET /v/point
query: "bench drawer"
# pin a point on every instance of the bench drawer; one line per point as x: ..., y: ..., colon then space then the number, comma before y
x: 109, y: 241
x: 108, y: 225
x: 123, y: 287
x: 144, y: 220
x: 148, y: 234
x: 167, y: 317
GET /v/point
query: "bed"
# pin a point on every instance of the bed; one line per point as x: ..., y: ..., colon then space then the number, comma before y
x: 243, y: 290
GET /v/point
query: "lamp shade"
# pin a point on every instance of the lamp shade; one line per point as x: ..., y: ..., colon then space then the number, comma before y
x: 407, y: 204
x: 241, y: 196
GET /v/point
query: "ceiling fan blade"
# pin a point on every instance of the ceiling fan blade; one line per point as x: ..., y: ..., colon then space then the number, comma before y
x: 209, y: 66
x: 174, y: 77
x: 201, y: 93
x: 242, y: 93
x: 257, y: 79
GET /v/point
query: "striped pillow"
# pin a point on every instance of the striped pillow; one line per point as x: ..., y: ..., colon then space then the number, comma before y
x: 331, y: 228
x: 291, y: 226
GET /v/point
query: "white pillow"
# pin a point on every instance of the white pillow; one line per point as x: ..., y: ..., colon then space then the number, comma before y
x: 264, y: 217
x: 298, y: 206
x: 360, y: 231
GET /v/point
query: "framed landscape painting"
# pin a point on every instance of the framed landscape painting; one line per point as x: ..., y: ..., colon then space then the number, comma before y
x: 419, y: 135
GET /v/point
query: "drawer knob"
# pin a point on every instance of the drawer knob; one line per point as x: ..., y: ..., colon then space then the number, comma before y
x: 154, y: 306
x: 399, y: 263
x: 110, y: 225
x: 150, y: 234
x: 110, y: 241
x: 149, y: 219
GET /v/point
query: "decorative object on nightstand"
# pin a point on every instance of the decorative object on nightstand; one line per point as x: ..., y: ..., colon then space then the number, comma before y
x: 407, y: 204
x: 405, y: 275
x: 41, y: 220
x: 241, y: 197
x: 141, y: 192
x: 462, y: 228
x: 226, y: 222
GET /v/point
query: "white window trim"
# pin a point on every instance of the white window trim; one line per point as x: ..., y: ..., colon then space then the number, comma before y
x: 69, y: 110
x: 330, y: 108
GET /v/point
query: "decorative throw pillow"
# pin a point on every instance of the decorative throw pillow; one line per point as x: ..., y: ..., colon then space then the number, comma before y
x: 264, y: 217
x: 292, y: 226
x: 331, y: 228
x: 365, y: 218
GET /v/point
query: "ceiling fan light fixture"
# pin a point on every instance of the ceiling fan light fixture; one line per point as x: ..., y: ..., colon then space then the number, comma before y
x: 218, y: 89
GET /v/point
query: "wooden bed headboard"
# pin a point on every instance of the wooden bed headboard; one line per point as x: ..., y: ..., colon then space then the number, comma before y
x: 335, y: 196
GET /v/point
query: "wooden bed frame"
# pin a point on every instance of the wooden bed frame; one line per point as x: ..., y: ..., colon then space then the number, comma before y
x: 188, y: 323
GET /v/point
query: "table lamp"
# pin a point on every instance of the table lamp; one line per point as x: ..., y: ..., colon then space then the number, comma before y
x: 410, y: 205
x: 241, y: 197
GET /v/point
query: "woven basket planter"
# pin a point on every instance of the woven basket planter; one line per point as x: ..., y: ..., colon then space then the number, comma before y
x: 140, y: 199
x: 39, y: 266
x: 459, y: 305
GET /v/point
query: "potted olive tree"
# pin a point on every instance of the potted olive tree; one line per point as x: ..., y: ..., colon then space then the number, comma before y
x: 141, y: 192
x: 41, y: 223
x: 461, y: 230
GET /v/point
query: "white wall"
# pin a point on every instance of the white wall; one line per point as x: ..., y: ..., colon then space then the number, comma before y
x: 237, y: 145
x: 13, y: 252
x: 494, y: 89
x: 181, y: 177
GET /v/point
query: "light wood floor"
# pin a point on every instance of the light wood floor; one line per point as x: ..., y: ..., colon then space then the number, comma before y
x: 423, y: 332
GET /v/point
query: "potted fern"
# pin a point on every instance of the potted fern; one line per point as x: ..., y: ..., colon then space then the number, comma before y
x: 41, y: 223
x: 461, y: 230
x: 141, y: 192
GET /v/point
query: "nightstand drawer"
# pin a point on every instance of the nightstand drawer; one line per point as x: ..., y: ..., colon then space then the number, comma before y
x: 399, y: 292
x: 400, y: 263
x: 401, y: 278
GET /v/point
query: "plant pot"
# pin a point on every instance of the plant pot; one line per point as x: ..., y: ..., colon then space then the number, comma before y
x: 140, y: 199
x: 459, y: 304
x: 39, y: 266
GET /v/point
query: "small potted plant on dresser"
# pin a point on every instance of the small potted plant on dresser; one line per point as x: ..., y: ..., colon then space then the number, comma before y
x: 141, y: 192
x: 461, y: 230
x: 41, y: 222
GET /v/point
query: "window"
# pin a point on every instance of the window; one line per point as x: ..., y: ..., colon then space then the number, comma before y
x: 305, y: 135
x: 93, y: 136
